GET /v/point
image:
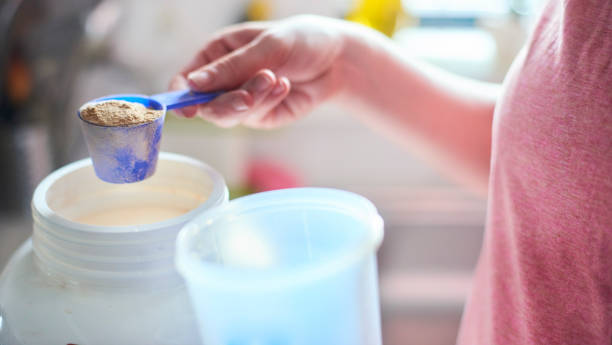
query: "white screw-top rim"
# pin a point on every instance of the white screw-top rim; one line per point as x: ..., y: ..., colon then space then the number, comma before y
x: 218, y: 195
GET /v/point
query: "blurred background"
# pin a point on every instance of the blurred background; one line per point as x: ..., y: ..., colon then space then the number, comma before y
x: 57, y: 54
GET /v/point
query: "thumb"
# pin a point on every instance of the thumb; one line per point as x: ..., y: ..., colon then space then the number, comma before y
x: 233, y: 69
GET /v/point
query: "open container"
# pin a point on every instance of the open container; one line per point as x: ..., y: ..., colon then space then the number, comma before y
x: 294, y: 266
x: 100, y: 267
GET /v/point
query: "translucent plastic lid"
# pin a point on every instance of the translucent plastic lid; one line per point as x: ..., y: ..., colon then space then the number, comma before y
x: 279, y: 237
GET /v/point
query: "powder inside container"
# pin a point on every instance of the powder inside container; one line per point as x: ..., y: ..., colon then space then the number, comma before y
x: 136, y: 215
x: 177, y: 188
x: 118, y: 113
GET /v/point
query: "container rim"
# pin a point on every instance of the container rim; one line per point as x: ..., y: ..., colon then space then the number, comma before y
x: 39, y: 203
x: 192, y: 268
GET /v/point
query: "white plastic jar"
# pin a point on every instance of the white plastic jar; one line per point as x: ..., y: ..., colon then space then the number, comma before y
x: 114, y: 282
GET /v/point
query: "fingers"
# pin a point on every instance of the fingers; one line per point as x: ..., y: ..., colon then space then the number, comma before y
x: 302, y: 99
x: 255, y: 100
x: 234, y: 107
x: 235, y: 68
x: 221, y: 44
x: 225, y: 42
x: 228, y: 109
x: 272, y: 100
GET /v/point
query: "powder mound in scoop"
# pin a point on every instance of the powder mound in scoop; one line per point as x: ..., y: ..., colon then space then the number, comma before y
x: 118, y: 113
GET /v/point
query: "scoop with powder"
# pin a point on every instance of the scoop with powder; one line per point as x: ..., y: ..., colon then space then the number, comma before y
x: 123, y: 137
x: 123, y: 132
x: 118, y: 113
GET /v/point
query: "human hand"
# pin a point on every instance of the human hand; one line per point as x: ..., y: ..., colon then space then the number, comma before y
x: 274, y: 72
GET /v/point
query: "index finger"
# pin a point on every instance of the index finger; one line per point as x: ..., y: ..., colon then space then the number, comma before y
x: 225, y: 42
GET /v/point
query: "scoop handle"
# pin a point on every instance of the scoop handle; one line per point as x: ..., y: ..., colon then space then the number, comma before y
x: 184, y: 98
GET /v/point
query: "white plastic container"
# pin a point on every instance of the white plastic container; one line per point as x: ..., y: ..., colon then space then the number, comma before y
x: 294, y: 266
x: 99, y: 284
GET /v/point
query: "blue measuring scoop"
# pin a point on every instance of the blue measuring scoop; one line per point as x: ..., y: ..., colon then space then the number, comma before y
x: 128, y: 154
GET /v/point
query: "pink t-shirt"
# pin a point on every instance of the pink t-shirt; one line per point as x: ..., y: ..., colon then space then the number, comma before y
x: 545, y: 271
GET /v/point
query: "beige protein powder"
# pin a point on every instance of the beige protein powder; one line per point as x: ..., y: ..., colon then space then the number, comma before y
x: 118, y: 113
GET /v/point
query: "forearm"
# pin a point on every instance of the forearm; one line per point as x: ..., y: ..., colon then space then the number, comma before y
x: 445, y: 118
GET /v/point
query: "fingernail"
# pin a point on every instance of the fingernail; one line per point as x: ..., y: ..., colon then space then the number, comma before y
x: 200, y: 78
x: 262, y: 83
x: 239, y: 105
x: 278, y: 89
